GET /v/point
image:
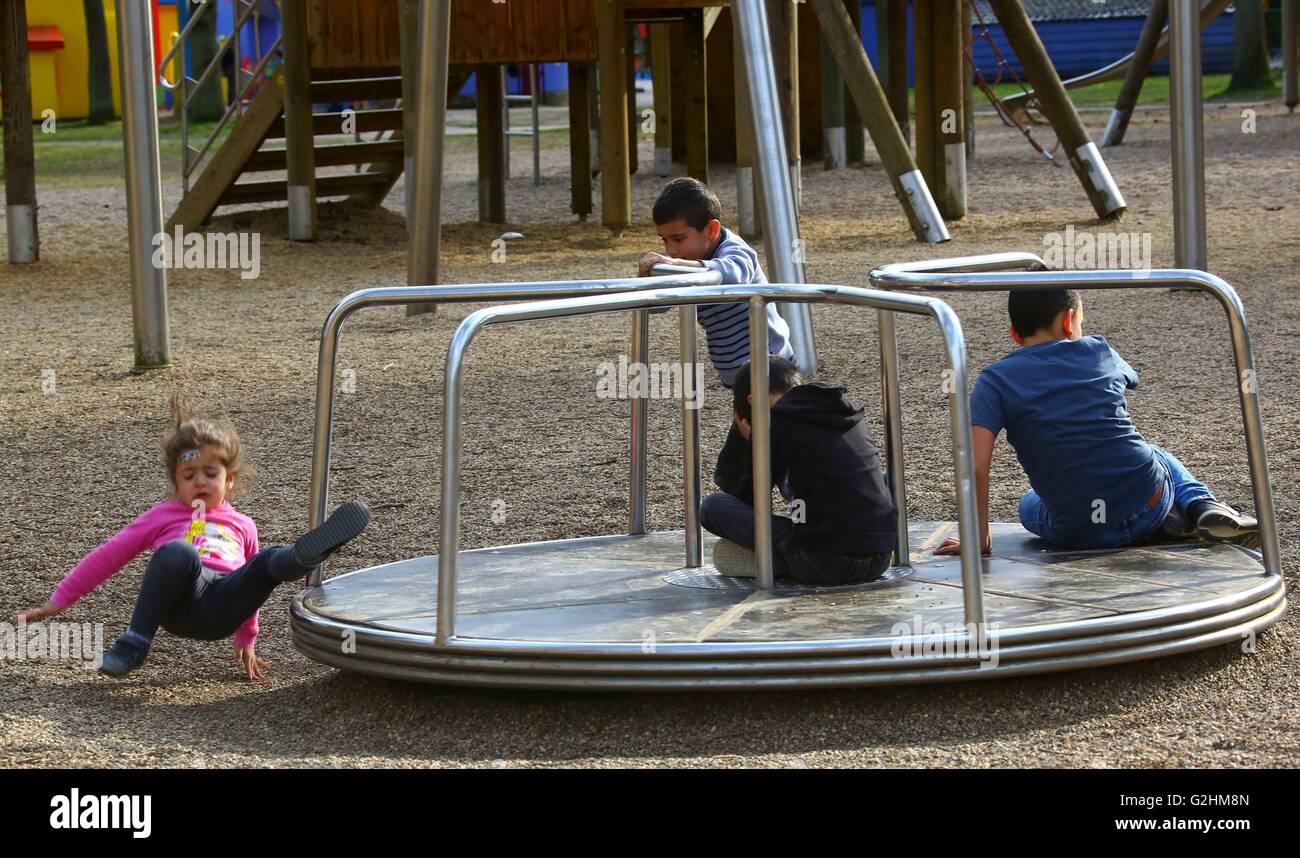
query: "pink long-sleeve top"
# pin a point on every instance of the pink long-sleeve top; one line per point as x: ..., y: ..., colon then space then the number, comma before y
x: 225, y: 539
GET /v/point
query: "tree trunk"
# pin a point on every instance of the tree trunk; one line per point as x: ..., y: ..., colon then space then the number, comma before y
x: 100, y: 77
x: 1250, y: 48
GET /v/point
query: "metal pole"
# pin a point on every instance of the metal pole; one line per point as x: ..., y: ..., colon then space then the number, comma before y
x: 963, y: 464
x: 1186, y: 137
x: 639, y: 360
x: 692, y: 398
x: 430, y: 125
x: 19, y: 152
x: 780, y: 228
x: 1143, y: 55
x: 760, y: 441
x: 1290, y: 52
x: 891, y: 406
x: 143, y: 186
x: 449, y: 541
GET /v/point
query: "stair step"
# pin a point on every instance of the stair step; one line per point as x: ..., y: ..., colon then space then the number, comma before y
x: 388, y: 119
x: 329, y: 156
x: 277, y: 190
x: 356, y: 89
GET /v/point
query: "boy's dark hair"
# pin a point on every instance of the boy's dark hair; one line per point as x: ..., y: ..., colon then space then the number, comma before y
x: 688, y: 199
x: 781, y: 376
x: 1033, y: 310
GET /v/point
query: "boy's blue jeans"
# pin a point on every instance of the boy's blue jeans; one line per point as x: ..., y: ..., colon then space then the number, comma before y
x: 1180, y: 490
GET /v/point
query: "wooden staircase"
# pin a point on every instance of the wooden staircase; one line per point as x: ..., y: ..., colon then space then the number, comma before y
x: 256, y: 145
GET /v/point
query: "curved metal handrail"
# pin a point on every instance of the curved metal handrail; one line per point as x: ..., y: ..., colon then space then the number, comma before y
x: 943, y: 276
x: 756, y: 296
x: 393, y: 296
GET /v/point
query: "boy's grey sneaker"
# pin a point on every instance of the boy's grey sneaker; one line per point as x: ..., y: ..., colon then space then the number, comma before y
x: 733, y: 560
x: 1218, y: 522
x: 344, y: 524
x: 123, y: 658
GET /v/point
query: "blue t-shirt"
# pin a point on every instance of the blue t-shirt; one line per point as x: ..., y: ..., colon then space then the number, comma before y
x: 1062, y: 404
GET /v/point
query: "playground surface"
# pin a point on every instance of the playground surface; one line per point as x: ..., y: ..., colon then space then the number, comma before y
x: 540, y: 449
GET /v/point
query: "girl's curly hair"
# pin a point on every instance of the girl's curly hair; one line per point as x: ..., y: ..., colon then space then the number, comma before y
x: 190, y: 430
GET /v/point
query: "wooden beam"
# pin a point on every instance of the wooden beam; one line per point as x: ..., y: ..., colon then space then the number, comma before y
x: 891, y: 48
x: 711, y: 14
x: 860, y: 81
x: 855, y: 147
x: 491, y: 144
x: 661, y: 80
x: 633, y: 115
x: 579, y: 141
x: 300, y: 140
x: 697, y: 98
x: 20, y: 154
x: 615, y: 181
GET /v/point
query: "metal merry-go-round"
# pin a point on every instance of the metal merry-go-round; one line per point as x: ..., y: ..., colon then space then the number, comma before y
x: 646, y: 610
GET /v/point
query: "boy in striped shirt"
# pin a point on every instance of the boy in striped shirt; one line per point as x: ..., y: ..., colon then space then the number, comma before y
x: 686, y: 216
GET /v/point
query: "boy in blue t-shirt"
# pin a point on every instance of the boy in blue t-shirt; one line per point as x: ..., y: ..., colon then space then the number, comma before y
x: 1096, y: 482
x: 687, y: 217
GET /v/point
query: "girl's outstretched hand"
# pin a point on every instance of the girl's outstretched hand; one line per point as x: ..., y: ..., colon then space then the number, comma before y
x: 250, y: 662
x: 953, y: 546
x: 35, y: 615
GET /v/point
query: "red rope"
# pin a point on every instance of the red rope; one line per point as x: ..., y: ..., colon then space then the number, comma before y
x: 1008, y: 119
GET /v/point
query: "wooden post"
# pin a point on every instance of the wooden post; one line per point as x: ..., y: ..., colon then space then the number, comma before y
x: 855, y: 145
x: 968, y: 73
x: 891, y: 45
x: 661, y: 80
x: 697, y: 97
x: 20, y: 155
x: 925, y: 132
x: 410, y: 19
x: 579, y: 141
x: 633, y: 115
x: 834, y: 142
x: 950, y: 112
x: 615, y: 183
x: 593, y: 115
x: 1139, y: 65
x: 490, y: 96
x: 300, y: 138
x: 860, y: 81
x: 1085, y: 158
x: 783, y: 24
x: 1291, y: 53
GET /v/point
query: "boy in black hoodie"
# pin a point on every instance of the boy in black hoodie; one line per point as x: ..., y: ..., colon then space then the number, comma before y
x: 843, y: 526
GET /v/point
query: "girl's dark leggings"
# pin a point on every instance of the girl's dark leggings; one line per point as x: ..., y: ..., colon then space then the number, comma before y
x: 186, y: 599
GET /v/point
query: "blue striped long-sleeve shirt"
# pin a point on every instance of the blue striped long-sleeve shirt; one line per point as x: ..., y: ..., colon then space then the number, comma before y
x: 726, y: 326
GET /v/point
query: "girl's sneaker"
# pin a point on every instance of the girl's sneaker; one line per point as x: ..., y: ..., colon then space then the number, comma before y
x: 125, y: 656
x: 344, y: 524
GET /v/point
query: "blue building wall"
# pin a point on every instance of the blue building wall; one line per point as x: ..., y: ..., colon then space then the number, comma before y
x: 1076, y: 47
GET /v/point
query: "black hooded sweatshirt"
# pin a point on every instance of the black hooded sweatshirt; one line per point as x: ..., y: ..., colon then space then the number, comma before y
x: 820, y: 441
